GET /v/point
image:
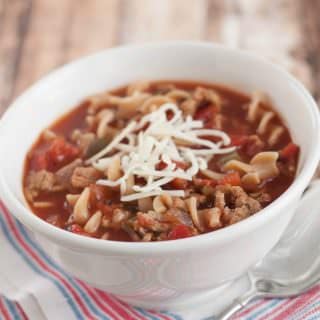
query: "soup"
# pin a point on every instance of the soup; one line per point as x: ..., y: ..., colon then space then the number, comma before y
x: 157, y: 161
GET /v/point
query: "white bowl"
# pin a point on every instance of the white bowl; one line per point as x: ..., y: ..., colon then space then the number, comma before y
x: 170, y: 274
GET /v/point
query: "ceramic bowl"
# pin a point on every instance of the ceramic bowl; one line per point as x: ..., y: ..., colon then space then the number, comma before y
x: 169, y: 274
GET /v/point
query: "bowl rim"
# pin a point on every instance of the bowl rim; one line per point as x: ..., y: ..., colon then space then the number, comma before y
x: 57, y: 235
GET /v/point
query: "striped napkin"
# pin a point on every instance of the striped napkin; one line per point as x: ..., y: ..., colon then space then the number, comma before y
x: 32, y: 286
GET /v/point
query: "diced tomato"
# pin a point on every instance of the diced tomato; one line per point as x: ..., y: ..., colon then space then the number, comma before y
x: 206, y: 114
x: 75, y: 228
x: 161, y: 165
x: 40, y: 162
x: 145, y: 220
x: 238, y: 140
x: 232, y: 178
x: 139, y: 181
x: 178, y: 183
x: 180, y: 231
x: 289, y: 152
x: 169, y: 114
x: 204, y: 182
x: 179, y: 164
x: 61, y: 152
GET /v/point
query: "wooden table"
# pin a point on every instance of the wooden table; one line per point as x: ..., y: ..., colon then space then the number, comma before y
x: 39, y: 35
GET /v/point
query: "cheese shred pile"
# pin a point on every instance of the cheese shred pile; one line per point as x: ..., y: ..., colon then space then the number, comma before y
x: 156, y: 138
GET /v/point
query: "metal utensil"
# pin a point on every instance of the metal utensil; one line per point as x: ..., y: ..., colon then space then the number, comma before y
x: 293, y: 266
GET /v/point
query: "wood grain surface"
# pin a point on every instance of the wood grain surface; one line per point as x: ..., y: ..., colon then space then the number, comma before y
x: 39, y: 35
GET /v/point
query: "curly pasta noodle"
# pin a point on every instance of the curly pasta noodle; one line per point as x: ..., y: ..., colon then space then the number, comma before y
x: 262, y: 167
x: 256, y: 112
x: 81, y: 210
x: 157, y: 161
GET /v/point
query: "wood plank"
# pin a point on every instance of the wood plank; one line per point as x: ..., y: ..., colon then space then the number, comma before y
x: 93, y: 26
x: 310, y: 40
x: 44, y: 41
x: 14, y: 15
x: 2, y: 9
x: 63, y: 30
x: 277, y: 34
x: 216, y: 12
x: 153, y: 20
x: 310, y: 44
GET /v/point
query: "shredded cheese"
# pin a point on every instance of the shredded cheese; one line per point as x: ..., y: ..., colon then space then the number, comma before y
x: 167, y: 141
x: 113, y: 143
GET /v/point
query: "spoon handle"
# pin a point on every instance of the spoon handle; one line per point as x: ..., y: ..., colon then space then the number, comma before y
x: 237, y: 305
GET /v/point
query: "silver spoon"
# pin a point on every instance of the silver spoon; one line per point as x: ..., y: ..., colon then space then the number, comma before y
x: 293, y: 265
